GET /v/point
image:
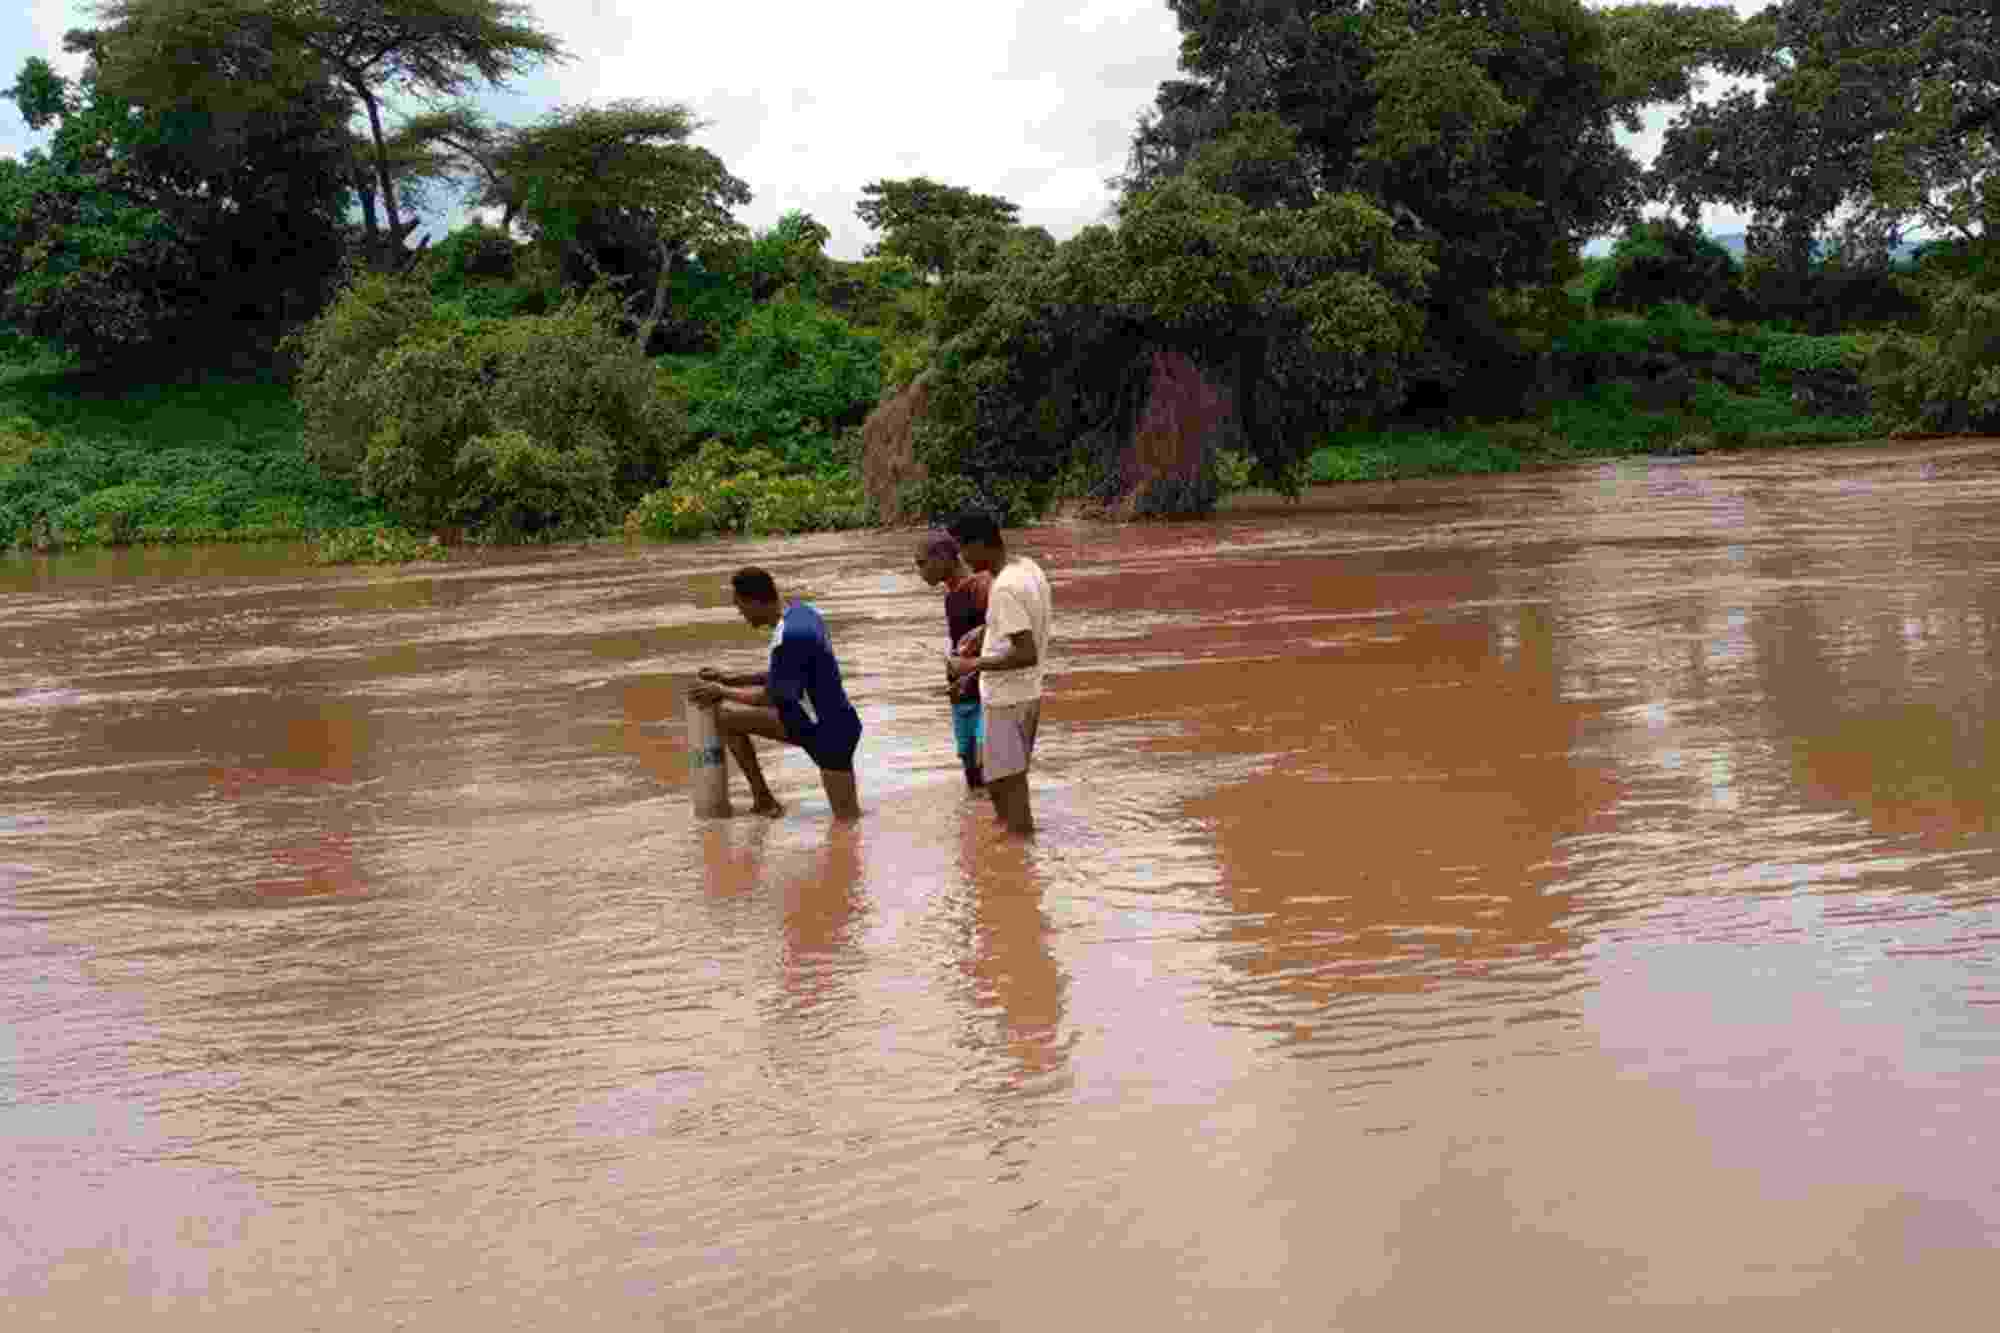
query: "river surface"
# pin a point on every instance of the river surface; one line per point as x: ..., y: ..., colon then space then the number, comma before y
x: 1569, y: 900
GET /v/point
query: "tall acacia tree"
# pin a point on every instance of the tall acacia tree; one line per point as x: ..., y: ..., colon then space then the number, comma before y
x: 618, y: 192
x: 374, y: 50
x: 923, y: 221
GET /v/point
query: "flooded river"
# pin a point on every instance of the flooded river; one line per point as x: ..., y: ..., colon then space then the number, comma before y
x: 1571, y: 899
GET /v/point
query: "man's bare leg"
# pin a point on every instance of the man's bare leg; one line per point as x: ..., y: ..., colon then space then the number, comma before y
x: 738, y: 723
x: 841, y: 793
x: 1010, y: 802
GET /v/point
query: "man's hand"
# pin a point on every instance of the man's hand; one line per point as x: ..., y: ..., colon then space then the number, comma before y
x: 958, y: 668
x: 715, y: 674
x: 706, y: 694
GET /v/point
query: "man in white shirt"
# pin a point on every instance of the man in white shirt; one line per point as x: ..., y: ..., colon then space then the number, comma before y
x: 1010, y: 668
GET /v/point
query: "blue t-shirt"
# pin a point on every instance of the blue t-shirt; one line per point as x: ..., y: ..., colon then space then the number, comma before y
x: 804, y: 681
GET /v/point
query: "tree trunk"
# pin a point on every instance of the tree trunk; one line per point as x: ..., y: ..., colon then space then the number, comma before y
x: 388, y: 187
x: 1250, y: 357
x: 370, y: 228
x: 669, y: 252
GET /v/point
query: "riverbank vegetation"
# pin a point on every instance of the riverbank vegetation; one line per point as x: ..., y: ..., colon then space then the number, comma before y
x: 1346, y: 247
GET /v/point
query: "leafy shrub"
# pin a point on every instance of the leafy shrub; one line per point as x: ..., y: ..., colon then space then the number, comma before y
x: 376, y: 544
x: 1233, y: 471
x: 1949, y: 379
x: 720, y: 492
x: 19, y: 438
x: 1663, y: 260
x: 473, y: 251
x: 705, y: 305
x: 1584, y: 287
x: 791, y: 380
x: 88, y: 460
x: 539, y: 425
x: 519, y: 489
x: 1804, y: 351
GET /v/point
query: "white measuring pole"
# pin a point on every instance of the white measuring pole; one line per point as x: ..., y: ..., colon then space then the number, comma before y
x: 708, y: 771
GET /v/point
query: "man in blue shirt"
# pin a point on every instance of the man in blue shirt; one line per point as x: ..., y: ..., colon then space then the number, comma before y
x: 799, y: 700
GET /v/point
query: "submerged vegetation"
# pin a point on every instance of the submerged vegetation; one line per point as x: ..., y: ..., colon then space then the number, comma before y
x: 1346, y: 246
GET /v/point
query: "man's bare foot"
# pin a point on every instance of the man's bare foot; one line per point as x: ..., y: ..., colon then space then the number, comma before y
x: 768, y: 807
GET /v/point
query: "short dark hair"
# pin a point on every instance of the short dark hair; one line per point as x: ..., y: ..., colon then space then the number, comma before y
x: 975, y: 526
x: 754, y: 585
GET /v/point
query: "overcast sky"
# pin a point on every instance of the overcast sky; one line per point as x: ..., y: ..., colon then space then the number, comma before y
x: 1030, y: 99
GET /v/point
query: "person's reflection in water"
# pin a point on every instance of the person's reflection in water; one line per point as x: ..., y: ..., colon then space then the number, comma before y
x: 733, y: 856
x: 1017, y: 989
x: 304, y: 791
x: 823, y: 910
x: 822, y: 905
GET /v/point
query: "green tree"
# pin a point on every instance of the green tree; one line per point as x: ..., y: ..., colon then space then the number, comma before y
x: 1485, y: 127
x: 1883, y: 111
x: 182, y: 227
x: 373, y: 50
x: 792, y: 379
x: 1490, y: 123
x: 1662, y: 260
x: 1310, y: 313
x: 539, y: 425
x: 920, y: 220
x: 620, y: 195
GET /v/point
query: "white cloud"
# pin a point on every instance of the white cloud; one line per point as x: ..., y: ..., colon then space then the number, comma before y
x: 51, y: 19
x: 808, y: 102
x: 1031, y: 99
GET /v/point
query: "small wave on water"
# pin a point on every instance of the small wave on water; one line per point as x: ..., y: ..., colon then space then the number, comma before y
x: 1582, y: 884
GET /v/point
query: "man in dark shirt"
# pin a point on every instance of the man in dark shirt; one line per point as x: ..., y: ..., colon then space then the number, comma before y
x: 799, y: 700
x: 939, y: 561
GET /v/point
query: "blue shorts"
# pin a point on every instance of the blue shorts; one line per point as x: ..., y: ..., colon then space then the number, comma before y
x: 831, y: 741
x: 968, y: 728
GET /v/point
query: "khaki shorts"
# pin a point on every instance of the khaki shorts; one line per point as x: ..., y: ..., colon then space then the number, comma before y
x: 1010, y: 738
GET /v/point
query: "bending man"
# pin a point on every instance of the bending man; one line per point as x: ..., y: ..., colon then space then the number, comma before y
x: 798, y: 701
x: 1016, y: 644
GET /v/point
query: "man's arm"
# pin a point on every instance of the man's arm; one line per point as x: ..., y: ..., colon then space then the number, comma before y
x: 720, y: 677
x: 748, y: 687
x: 1020, y: 654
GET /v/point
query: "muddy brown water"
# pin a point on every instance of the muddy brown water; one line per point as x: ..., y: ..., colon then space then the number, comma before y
x: 1567, y: 900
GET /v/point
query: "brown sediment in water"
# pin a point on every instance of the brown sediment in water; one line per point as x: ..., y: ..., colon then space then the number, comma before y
x: 1580, y: 884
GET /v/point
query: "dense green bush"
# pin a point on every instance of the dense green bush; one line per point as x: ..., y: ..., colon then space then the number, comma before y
x: 1589, y: 280
x: 1671, y: 328
x: 87, y: 461
x: 792, y: 380
x: 375, y: 544
x: 1947, y: 380
x: 485, y: 273
x: 1308, y: 315
x: 1804, y: 351
x: 534, y: 426
x: 723, y: 492
x: 1661, y: 260
x: 1600, y: 422
x: 518, y: 488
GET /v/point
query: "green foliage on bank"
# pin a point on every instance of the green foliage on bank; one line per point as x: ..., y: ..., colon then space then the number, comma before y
x: 536, y: 427
x: 724, y: 492
x: 86, y: 460
x: 791, y: 380
x: 1601, y: 421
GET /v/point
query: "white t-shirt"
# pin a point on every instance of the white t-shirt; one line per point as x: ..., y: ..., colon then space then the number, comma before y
x: 1019, y: 600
